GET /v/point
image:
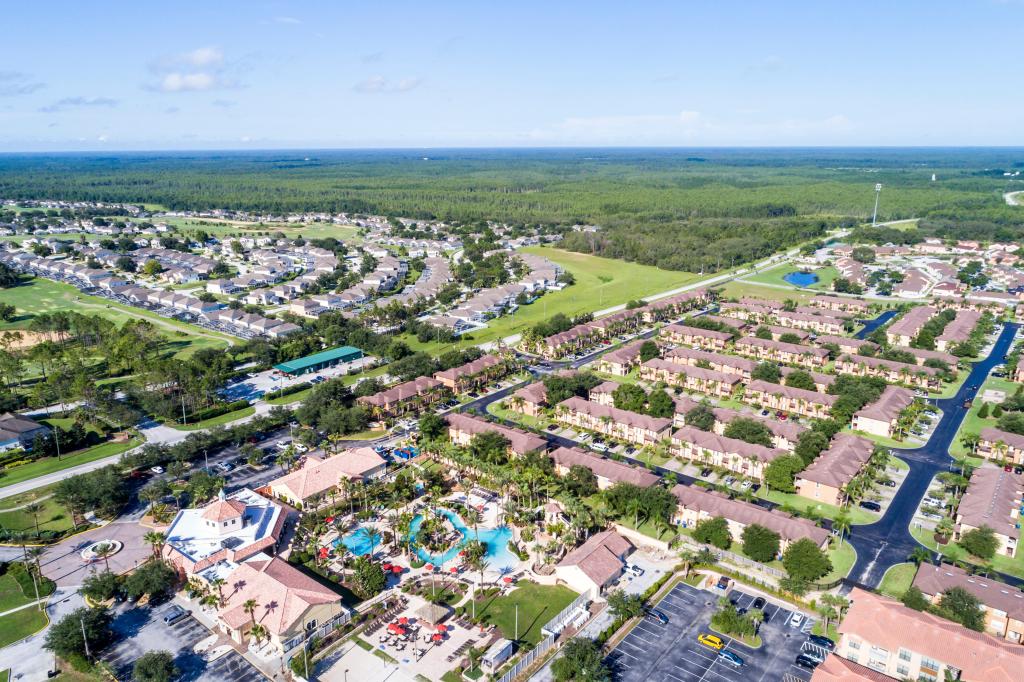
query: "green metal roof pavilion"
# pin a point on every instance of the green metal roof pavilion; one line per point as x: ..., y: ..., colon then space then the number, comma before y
x: 317, y: 361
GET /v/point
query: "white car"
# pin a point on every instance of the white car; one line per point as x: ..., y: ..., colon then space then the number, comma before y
x: 635, y: 570
x: 796, y: 620
x: 157, y: 470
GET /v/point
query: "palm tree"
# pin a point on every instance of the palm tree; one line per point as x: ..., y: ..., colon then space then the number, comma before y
x: 156, y: 541
x: 688, y: 558
x: 34, y: 508
x: 920, y: 555
x: 841, y: 524
x: 259, y: 633
x: 104, y: 551
x: 249, y: 606
x: 218, y: 584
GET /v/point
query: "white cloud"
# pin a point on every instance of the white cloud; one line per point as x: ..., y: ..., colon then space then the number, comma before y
x: 14, y: 83
x: 378, y: 84
x: 101, y: 138
x: 287, y: 20
x: 78, y: 102
x: 197, y: 70
x: 186, y: 82
x: 203, y: 56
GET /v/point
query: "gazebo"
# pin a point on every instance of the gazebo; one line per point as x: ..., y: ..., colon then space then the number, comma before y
x: 432, y: 614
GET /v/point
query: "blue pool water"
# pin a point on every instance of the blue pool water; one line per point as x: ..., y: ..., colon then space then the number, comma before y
x: 497, y: 555
x: 801, y: 279
x: 358, y: 541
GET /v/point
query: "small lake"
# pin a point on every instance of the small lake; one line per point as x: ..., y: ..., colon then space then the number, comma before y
x: 801, y: 279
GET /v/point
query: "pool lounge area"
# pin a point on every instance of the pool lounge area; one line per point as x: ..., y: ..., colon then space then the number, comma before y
x: 497, y: 556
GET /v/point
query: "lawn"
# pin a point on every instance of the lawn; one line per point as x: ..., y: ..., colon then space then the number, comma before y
x: 292, y: 397
x: 736, y: 289
x: 41, y: 295
x: 215, y: 227
x: 857, y: 515
x: 219, y: 420
x: 11, y: 596
x: 774, y: 276
x: 1004, y: 564
x: 20, y: 624
x: 537, y: 605
x: 50, y: 464
x: 499, y: 410
x: 52, y: 516
x: 843, y: 558
x: 972, y: 423
x: 898, y: 580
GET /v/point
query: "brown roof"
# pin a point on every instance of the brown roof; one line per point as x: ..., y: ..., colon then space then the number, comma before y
x: 618, y: 416
x: 994, y: 435
x: 841, y: 300
x: 470, y: 368
x: 934, y: 580
x: 604, y: 387
x: 826, y: 399
x: 624, y: 355
x: 891, y: 625
x: 844, y: 342
x: 685, y: 330
x: 961, y: 326
x: 535, y: 393
x: 765, y: 302
x: 991, y: 497
x: 925, y: 354
x: 843, y: 460
x: 911, y: 323
x: 811, y: 310
x: 733, y: 322
x: 318, y: 475
x: 789, y: 429
x: 520, y: 442
x: 721, y: 359
x: 891, y: 365
x: 802, y: 334
x: 783, y: 315
x: 893, y: 400
x: 715, y: 503
x: 600, y: 557
x: 819, y: 378
x: 715, y: 443
x: 838, y: 669
x: 794, y: 348
x: 223, y: 509
x: 616, y: 472
x: 693, y: 371
x: 409, y: 389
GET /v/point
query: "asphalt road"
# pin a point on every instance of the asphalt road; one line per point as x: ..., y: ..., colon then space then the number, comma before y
x: 888, y: 541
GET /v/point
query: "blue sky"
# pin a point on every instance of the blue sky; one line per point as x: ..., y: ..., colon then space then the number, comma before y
x: 257, y: 75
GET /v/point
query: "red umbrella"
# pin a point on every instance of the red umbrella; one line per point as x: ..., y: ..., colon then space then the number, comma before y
x: 396, y: 628
x: 386, y: 566
x: 462, y: 553
x: 323, y: 552
x: 438, y: 637
x: 329, y: 519
x: 441, y: 627
x: 429, y: 567
x: 403, y: 620
x: 396, y: 569
x: 454, y: 569
x: 507, y: 579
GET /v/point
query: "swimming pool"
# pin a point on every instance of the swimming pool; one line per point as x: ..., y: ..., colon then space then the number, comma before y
x: 498, y: 556
x: 358, y: 541
x: 801, y: 279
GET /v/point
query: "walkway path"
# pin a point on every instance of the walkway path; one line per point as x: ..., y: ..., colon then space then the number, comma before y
x: 1014, y: 198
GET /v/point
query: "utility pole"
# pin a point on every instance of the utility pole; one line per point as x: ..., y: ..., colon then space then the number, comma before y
x: 878, y: 193
x: 85, y: 639
x: 517, y: 623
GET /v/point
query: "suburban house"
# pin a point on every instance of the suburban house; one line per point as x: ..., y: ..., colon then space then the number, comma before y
x: 887, y: 637
x: 17, y: 431
x: 779, y: 351
x: 690, y: 377
x: 708, y: 448
x: 958, y: 330
x: 1001, y: 446
x: 474, y: 374
x: 881, y: 418
x: 463, y: 427
x: 821, y: 324
x: 890, y: 370
x: 695, y: 336
x: 695, y: 504
x: 290, y: 605
x: 994, y: 498
x: 318, y: 476
x: 1002, y: 604
x: 621, y: 360
x: 789, y: 399
x: 904, y: 330
x: 406, y: 397
x: 607, y: 471
x: 720, y: 362
x: 596, y: 564
x: 611, y: 421
x: 826, y: 478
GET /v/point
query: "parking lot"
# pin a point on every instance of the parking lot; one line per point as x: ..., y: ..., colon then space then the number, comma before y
x: 142, y: 629
x: 652, y: 651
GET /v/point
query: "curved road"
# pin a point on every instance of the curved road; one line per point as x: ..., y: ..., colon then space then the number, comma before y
x: 888, y: 541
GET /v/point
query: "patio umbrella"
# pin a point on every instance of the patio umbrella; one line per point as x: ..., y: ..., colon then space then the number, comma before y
x: 462, y: 553
x: 396, y: 569
x: 429, y: 567
x: 386, y: 566
x: 438, y: 637
x: 323, y: 552
x: 454, y: 569
x: 441, y: 627
x: 329, y: 519
x: 396, y: 628
x: 507, y: 579
x: 403, y: 620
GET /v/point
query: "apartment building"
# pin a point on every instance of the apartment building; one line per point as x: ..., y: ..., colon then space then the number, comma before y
x: 821, y: 381
x: 994, y: 498
x: 784, y: 433
x: 462, y: 428
x: 608, y: 472
x: 881, y: 417
x: 405, y: 397
x: 708, y: 448
x: 690, y: 377
x: 789, y: 399
x: 778, y: 351
x: 571, y: 341
x: 826, y: 478
x: 475, y: 374
x: 845, y: 344
x: 719, y: 362
x: 751, y: 312
x: 842, y: 303
x: 675, y: 305
x: 694, y: 504
x: 603, y: 393
x: 888, y: 637
x: 1000, y: 446
x: 529, y: 400
x: 890, y: 370
x: 738, y: 325
x: 820, y: 324
x: 902, y: 331
x: 612, y: 422
x: 694, y: 336
x: 621, y: 361
x: 958, y: 330
x: 778, y: 332
x: 1002, y: 604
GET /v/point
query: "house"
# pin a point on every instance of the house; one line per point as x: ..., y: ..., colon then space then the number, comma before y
x: 596, y: 564
x: 720, y: 362
x: 904, y: 330
x: 474, y: 374
x: 611, y: 421
x: 318, y: 476
x: 826, y: 478
x: 820, y: 324
x: 994, y: 498
x: 881, y: 417
x: 789, y: 399
x: 1002, y: 604
x: 621, y: 360
x: 231, y: 528
x: 17, y: 431
x: 463, y: 427
x: 696, y: 504
x: 779, y: 351
x: 529, y: 400
x: 958, y: 330
x: 890, y: 370
x: 695, y: 336
x: 405, y: 397
x: 888, y: 637
x: 607, y: 471
x: 290, y: 605
x: 706, y: 448
x: 690, y: 377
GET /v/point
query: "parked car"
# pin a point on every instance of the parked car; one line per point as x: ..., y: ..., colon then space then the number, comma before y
x: 759, y: 603
x: 711, y: 641
x: 813, y: 654
x: 157, y: 470
x: 889, y: 483
x: 730, y: 658
x: 705, y: 472
x: 723, y: 583
x: 823, y: 642
x: 805, y: 662
x: 796, y: 620
x: 870, y: 506
x: 173, y: 614
x: 635, y: 570
x: 655, y: 614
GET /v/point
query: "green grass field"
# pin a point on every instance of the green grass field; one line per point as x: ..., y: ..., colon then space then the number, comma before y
x: 43, y: 296
x: 1013, y: 566
x: 973, y: 423
x: 219, y: 420
x: 51, y: 517
x: 537, y: 605
x: 774, y: 276
x: 11, y: 596
x: 220, y: 228
x: 736, y: 289
x: 857, y: 515
x: 898, y: 580
x: 51, y: 464
x: 20, y: 624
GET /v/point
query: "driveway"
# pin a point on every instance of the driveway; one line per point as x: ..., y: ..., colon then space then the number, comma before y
x: 63, y: 563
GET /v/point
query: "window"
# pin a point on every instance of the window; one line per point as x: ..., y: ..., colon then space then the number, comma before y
x: 904, y: 655
x: 854, y: 644
x: 853, y: 657
x: 902, y: 670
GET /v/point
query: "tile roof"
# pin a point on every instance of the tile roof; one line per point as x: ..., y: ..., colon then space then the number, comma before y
x: 890, y: 403
x: 794, y: 348
x: 693, y: 355
x: 692, y: 371
x: 599, y: 557
x: 991, y: 498
x: 835, y: 668
x: 408, y: 389
x: 793, y: 393
x: 994, y: 435
x: 521, y: 442
x: 933, y: 580
x: 715, y: 443
x: 910, y: 324
x: 845, y: 457
x: 470, y: 369
x: 318, y: 475
x: 685, y: 330
x: 617, y: 472
x: 618, y: 416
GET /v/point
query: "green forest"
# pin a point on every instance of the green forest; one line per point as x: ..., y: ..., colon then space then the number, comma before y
x: 683, y: 209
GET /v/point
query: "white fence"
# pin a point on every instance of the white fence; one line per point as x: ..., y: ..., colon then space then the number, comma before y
x: 553, y: 627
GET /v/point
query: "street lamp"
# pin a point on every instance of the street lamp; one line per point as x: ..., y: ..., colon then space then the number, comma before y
x: 878, y: 193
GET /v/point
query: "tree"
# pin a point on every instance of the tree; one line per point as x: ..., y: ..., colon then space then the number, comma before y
x: 125, y: 263
x: 432, y: 426
x: 101, y: 586
x: 920, y: 555
x: 660, y: 404
x: 490, y: 447
x: 151, y: 268
x: 983, y: 412
x: 801, y: 379
x: 581, y: 661
x: 624, y: 605
x: 766, y: 371
x: 701, y: 417
x: 580, y: 481
x: 789, y: 337
x: 155, y: 666
x: 841, y: 524
x: 864, y: 254
x: 804, y: 560
x: 760, y: 543
x: 963, y: 607
x: 155, y: 578
x: 980, y: 542
x: 713, y: 531
x: 782, y: 471
x: 65, y: 637
x: 913, y: 598
x: 368, y: 578
x: 649, y: 351
x: 748, y: 430
x: 630, y: 397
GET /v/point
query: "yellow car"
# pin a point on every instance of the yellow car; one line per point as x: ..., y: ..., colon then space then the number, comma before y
x: 711, y: 641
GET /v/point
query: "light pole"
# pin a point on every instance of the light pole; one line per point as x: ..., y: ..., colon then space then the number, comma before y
x: 878, y: 193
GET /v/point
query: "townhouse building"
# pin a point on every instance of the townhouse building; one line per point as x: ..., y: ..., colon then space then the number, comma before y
x: 904, y: 330
x: 1002, y: 604
x: 612, y: 422
x: 842, y: 303
x: 475, y: 373
x: 707, y: 448
x: 890, y: 370
x: 690, y: 377
x: 993, y: 498
x: 820, y: 324
x: 826, y: 478
x: 695, y: 336
x: 621, y: 361
x: 406, y: 397
x: 845, y: 344
x: 462, y: 428
x: 789, y: 399
x: 608, y: 472
x: 779, y: 351
x: 881, y: 418
x: 958, y: 330
x: 719, y: 362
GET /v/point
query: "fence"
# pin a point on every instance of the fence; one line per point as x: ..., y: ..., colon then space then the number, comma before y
x: 552, y: 628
